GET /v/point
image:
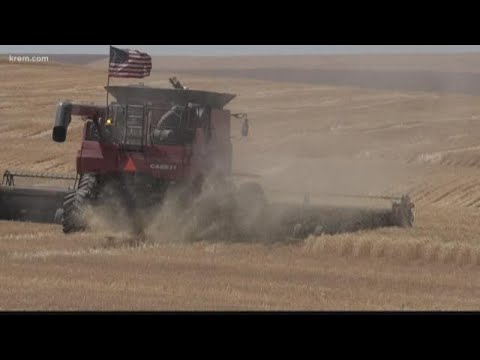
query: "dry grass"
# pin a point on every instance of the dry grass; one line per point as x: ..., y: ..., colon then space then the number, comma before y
x: 304, y: 138
x: 82, y: 272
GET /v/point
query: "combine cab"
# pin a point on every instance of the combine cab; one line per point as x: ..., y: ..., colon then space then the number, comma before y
x: 150, y: 142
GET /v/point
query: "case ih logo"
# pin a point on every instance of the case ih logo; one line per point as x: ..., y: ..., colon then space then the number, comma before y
x: 163, y: 166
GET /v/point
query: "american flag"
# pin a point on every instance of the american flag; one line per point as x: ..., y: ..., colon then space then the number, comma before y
x: 129, y: 63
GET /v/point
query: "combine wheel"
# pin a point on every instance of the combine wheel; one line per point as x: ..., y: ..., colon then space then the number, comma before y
x: 251, y: 205
x: 251, y: 196
x: 75, y: 202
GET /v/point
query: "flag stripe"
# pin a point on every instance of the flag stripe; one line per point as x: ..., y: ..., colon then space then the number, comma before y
x: 131, y: 72
x: 136, y: 55
x: 129, y: 66
x: 123, y: 75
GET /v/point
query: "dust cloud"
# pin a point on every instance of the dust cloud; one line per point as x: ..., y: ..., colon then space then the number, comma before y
x: 228, y: 212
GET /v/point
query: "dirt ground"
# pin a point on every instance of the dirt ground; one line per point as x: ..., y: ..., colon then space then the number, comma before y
x: 306, y: 136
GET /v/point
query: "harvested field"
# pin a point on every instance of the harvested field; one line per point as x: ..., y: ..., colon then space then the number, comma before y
x: 307, y: 135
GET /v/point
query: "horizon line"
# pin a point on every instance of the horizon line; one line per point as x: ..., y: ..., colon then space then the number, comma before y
x: 258, y: 55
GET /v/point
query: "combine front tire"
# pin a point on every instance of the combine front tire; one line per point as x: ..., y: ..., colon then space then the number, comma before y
x: 251, y: 196
x: 251, y: 205
x: 75, y: 203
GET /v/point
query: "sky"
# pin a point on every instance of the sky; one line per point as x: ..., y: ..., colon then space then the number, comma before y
x: 219, y: 50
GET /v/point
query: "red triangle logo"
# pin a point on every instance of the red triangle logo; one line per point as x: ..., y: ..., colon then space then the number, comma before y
x: 129, y: 166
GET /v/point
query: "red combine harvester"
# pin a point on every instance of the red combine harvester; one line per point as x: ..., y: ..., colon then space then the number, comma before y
x: 150, y: 141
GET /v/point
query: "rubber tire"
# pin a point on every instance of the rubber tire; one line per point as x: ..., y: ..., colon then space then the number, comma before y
x: 251, y: 206
x: 251, y: 193
x: 75, y: 202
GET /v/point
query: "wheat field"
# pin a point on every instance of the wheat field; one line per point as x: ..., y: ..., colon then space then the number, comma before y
x: 305, y: 136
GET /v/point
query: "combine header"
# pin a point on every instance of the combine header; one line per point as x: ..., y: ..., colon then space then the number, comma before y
x: 32, y: 203
x: 150, y: 142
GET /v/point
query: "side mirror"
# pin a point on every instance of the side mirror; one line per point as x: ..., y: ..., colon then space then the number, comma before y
x: 245, y: 127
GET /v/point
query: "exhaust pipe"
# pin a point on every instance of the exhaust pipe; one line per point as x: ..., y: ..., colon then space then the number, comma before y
x: 62, y: 120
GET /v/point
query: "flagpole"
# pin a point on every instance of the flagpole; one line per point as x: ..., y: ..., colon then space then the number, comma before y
x: 108, y: 75
x: 108, y: 84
